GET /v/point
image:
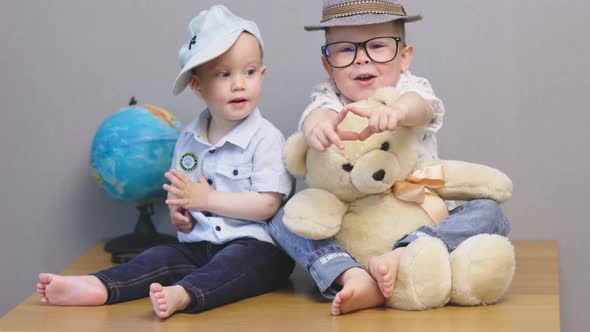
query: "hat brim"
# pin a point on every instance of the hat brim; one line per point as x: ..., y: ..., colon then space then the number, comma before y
x: 362, y: 19
x: 208, y: 52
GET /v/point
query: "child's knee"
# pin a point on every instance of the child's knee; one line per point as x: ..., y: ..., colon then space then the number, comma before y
x: 491, y: 212
x: 487, y: 205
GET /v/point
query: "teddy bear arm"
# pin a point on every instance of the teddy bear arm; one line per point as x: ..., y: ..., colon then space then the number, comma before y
x: 465, y: 181
x: 314, y: 214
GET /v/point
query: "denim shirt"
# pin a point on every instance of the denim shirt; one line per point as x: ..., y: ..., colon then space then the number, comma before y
x: 248, y: 158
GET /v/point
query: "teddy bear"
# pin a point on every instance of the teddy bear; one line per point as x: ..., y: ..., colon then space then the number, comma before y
x: 373, y: 192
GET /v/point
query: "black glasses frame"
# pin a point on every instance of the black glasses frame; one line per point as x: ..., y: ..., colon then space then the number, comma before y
x: 356, y: 49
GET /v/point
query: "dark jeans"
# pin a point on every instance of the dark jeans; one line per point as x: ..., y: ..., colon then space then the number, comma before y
x: 213, y: 275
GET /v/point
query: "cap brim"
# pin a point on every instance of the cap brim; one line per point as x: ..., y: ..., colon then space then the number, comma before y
x: 209, y: 52
x: 362, y: 19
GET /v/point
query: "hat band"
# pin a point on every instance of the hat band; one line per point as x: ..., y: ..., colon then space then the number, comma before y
x: 362, y: 7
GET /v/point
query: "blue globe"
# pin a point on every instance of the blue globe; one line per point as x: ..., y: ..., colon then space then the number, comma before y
x: 131, y: 150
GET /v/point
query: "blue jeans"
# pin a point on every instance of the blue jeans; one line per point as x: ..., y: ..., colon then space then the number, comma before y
x: 325, y: 259
x: 213, y: 275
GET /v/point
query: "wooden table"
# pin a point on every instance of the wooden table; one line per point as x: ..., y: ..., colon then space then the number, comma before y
x: 531, y: 305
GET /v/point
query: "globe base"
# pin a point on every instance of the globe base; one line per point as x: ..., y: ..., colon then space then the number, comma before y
x: 144, y: 236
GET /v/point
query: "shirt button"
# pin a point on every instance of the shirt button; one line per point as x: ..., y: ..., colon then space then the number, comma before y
x: 235, y: 172
x: 217, y: 228
x: 209, y: 181
x: 212, y: 151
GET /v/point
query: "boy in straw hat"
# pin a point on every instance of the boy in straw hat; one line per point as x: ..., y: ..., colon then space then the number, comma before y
x: 227, y: 179
x: 365, y: 50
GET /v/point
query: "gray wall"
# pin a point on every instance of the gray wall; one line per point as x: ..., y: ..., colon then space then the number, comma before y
x: 513, y: 75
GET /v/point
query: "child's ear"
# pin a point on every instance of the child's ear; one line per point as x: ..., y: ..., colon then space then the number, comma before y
x: 328, y: 68
x: 407, y: 56
x: 263, y: 71
x: 196, y: 85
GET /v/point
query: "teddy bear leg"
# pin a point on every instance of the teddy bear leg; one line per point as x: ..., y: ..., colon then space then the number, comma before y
x: 424, y: 276
x: 483, y: 267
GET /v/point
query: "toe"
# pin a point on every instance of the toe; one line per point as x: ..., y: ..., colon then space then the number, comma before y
x: 45, y: 278
x: 155, y: 288
x: 336, y: 304
x: 335, y: 310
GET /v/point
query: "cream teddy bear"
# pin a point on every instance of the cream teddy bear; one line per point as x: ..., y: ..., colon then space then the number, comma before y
x: 373, y: 193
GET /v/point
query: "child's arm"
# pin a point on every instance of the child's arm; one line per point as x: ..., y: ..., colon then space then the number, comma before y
x: 410, y: 110
x: 321, y: 118
x: 200, y: 197
x: 179, y: 217
x: 320, y: 129
x: 416, y: 111
x: 244, y: 205
x: 417, y: 105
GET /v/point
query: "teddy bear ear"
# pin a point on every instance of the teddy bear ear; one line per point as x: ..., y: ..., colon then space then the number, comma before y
x: 296, y: 155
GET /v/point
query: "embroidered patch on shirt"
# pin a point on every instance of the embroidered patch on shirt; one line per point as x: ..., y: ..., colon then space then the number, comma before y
x: 189, y: 162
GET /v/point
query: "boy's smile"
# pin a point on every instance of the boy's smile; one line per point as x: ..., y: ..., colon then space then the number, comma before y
x: 363, y: 77
x: 366, y: 78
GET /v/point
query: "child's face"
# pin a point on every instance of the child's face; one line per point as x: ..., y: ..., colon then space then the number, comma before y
x: 231, y: 83
x: 363, y: 77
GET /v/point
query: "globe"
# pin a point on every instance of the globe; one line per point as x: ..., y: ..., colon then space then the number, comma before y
x: 131, y: 150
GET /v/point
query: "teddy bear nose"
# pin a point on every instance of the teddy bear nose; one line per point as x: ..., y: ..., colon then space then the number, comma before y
x: 379, y: 175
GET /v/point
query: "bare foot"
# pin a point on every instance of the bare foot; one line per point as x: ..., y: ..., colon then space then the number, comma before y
x: 384, y: 269
x: 71, y: 290
x: 168, y: 300
x: 359, y: 291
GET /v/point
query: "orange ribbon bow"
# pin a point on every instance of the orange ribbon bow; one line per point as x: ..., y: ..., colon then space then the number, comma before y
x: 414, y: 189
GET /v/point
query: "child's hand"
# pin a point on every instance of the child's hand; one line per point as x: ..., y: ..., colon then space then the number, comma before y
x: 188, y: 195
x: 381, y: 118
x: 325, y: 133
x: 181, y: 219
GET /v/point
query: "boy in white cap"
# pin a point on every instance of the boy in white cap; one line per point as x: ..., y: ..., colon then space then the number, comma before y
x: 365, y: 50
x: 227, y: 179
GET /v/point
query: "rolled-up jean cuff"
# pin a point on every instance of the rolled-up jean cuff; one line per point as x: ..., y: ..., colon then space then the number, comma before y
x: 326, y: 264
x: 420, y: 232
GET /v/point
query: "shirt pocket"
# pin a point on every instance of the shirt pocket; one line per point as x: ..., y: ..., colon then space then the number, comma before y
x: 234, y: 178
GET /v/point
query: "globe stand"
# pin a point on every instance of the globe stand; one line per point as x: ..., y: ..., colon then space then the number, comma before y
x: 144, y: 236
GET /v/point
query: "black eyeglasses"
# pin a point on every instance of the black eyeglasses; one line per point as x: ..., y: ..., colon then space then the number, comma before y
x: 379, y: 49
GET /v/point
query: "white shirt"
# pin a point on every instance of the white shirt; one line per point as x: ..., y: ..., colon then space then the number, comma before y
x: 248, y: 158
x: 327, y: 96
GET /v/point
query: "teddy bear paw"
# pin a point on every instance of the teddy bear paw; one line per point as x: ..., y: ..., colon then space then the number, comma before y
x: 317, y: 223
x: 424, y: 276
x: 483, y: 267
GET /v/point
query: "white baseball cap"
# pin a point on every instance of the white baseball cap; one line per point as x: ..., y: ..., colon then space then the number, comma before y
x: 209, y: 35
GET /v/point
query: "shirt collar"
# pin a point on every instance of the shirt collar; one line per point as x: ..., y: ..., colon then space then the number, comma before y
x: 240, y: 136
